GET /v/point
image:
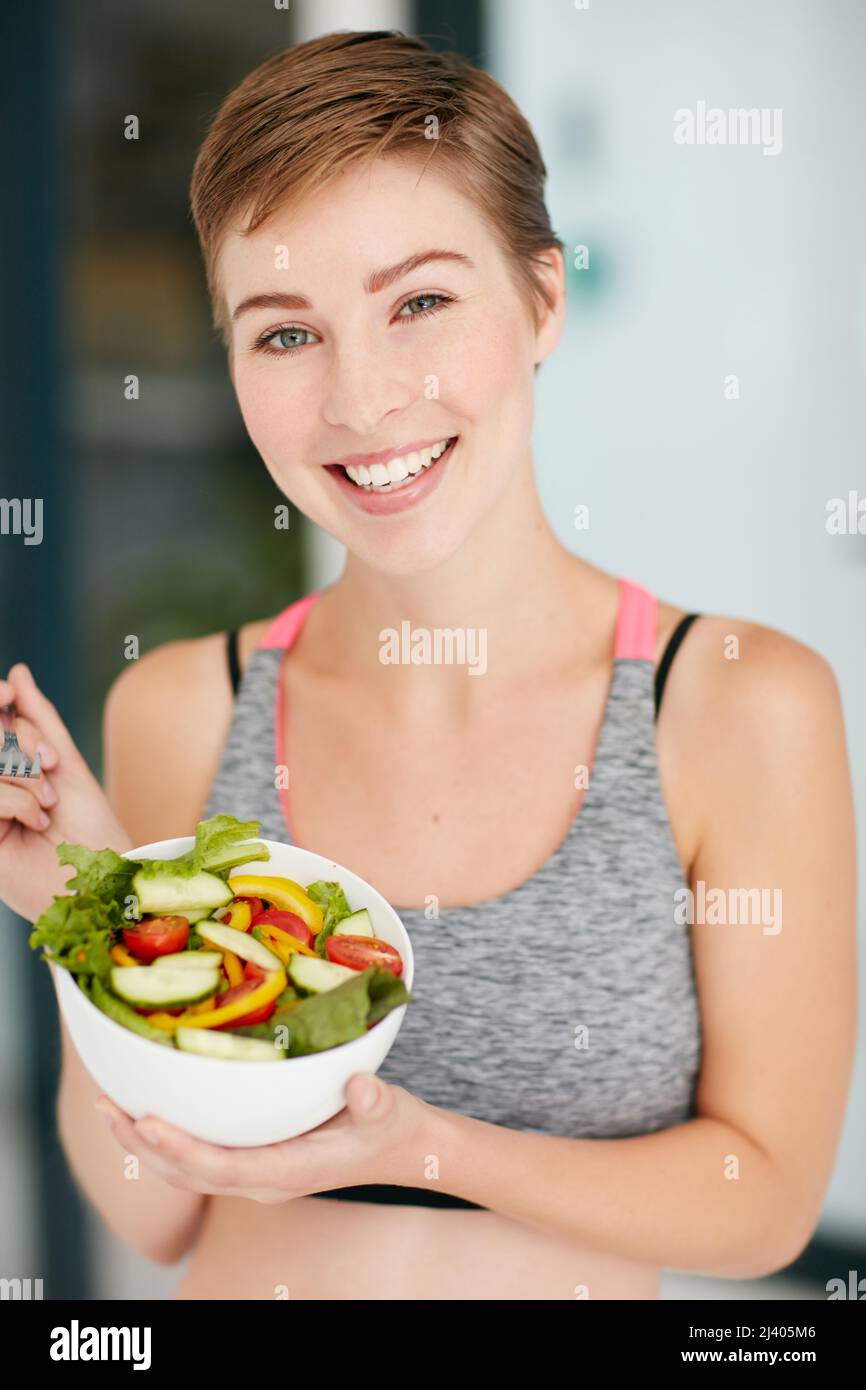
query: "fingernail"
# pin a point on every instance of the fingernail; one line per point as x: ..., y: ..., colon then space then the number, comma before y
x: 44, y: 821
x: 149, y: 1134
x: 48, y: 791
x: 371, y: 1095
x: 104, y: 1111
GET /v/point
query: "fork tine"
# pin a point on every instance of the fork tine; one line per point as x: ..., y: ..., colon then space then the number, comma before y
x: 14, y: 762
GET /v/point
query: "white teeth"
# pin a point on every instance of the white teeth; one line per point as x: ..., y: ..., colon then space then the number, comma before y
x: 397, y: 471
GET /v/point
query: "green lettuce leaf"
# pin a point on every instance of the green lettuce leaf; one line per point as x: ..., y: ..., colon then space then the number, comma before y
x: 332, y: 900
x: 100, y: 871
x: 78, y: 933
x: 221, y: 843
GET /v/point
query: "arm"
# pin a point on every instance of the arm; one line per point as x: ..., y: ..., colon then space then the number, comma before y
x: 145, y: 1212
x: 778, y: 1010
x: 147, y: 735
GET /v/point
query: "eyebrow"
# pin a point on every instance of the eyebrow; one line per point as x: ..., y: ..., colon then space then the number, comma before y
x: 378, y: 280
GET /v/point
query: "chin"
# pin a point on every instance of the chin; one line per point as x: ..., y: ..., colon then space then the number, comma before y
x: 416, y: 554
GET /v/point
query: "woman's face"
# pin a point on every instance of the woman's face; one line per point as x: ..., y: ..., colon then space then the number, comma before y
x: 340, y: 351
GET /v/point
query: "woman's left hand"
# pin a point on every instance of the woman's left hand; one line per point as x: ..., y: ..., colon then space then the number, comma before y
x: 385, y: 1143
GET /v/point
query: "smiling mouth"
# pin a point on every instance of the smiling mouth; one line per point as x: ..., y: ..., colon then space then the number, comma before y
x: 397, y: 473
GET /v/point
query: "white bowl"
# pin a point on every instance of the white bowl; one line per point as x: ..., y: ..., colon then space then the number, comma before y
x: 237, y: 1104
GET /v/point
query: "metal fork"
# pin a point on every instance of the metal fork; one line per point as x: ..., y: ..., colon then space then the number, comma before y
x: 14, y: 762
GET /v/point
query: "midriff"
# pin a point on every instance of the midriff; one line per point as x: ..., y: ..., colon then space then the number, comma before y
x: 312, y: 1248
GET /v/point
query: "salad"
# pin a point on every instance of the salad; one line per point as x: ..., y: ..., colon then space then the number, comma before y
x: 188, y: 954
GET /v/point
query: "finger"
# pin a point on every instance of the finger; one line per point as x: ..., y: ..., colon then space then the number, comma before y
x: 31, y: 704
x: 124, y: 1131
x: 30, y: 739
x: 21, y: 804
x: 202, y: 1162
x: 42, y: 788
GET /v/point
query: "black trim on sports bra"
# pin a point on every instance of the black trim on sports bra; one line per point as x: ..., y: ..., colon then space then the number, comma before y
x: 394, y: 1196
x: 670, y: 652
x: 234, y: 664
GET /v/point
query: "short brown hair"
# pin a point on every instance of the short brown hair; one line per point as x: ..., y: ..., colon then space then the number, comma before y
x: 307, y: 113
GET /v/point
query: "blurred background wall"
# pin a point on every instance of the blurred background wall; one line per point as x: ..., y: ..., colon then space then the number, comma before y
x: 702, y: 264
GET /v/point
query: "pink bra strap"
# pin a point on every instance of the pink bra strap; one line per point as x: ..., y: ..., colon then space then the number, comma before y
x: 636, y: 623
x: 286, y: 626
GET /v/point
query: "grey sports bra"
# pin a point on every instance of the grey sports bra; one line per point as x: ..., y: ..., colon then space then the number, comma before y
x: 568, y: 1005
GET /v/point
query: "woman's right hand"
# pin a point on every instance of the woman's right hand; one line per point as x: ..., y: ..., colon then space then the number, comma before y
x: 36, y: 814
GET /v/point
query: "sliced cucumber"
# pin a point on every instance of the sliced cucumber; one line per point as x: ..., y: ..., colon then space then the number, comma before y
x: 315, y: 976
x: 166, y: 894
x: 195, y: 914
x: 123, y: 1014
x: 356, y: 924
x: 207, y: 1042
x: 165, y: 988
x: 240, y: 942
x: 188, y: 960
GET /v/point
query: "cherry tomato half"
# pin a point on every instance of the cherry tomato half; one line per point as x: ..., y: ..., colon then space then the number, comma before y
x: 255, y: 904
x: 156, y: 936
x: 289, y: 921
x: 238, y: 992
x: 360, y: 952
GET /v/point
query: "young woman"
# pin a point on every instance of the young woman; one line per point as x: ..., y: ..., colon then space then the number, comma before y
x: 589, y: 1086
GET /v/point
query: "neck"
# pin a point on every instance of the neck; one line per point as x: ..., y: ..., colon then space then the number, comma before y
x: 511, y: 579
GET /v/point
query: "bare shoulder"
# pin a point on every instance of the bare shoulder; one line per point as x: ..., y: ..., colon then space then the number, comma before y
x: 747, y: 711
x: 165, y: 720
x: 740, y: 670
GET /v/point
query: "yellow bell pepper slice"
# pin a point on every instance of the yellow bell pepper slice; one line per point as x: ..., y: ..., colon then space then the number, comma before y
x: 284, y: 939
x: 273, y: 984
x: 167, y: 1022
x: 282, y: 893
x: 121, y: 956
x: 233, y: 967
x: 204, y: 1005
x: 239, y: 917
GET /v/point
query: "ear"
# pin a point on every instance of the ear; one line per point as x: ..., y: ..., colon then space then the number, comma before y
x: 550, y: 267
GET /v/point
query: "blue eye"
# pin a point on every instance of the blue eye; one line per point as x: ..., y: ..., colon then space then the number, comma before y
x: 422, y: 313
x: 282, y: 336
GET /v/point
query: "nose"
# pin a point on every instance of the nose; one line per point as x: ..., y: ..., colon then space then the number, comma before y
x: 362, y: 390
